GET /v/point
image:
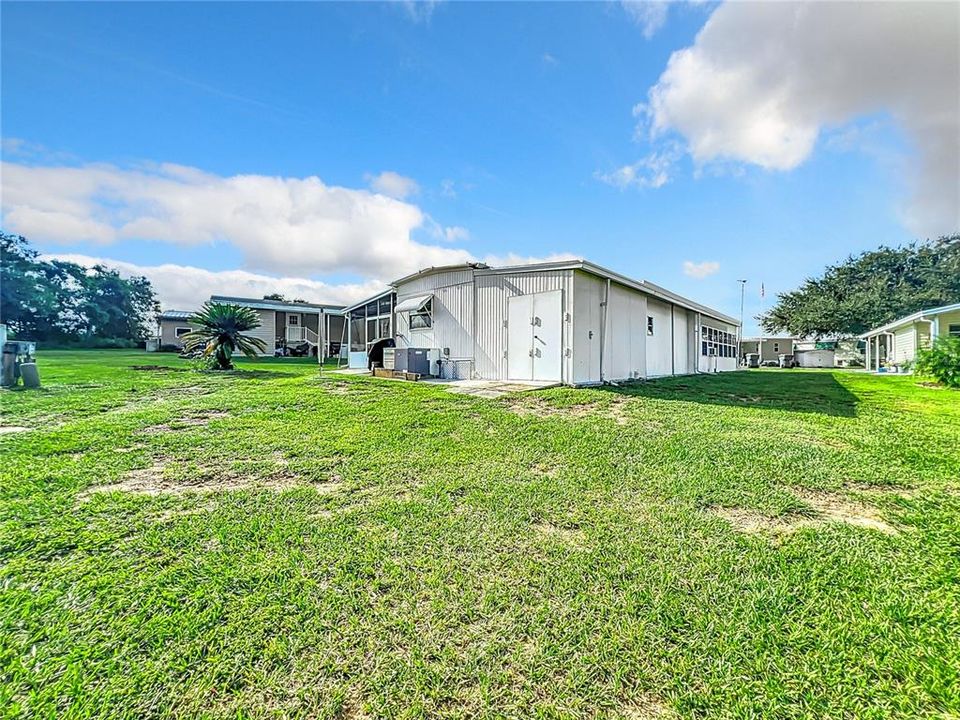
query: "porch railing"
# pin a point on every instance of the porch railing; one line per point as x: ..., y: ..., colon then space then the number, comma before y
x: 301, y: 333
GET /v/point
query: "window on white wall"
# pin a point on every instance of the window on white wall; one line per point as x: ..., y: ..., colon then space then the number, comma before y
x: 776, y: 347
x: 423, y: 318
x: 181, y: 331
x: 649, y: 325
x: 716, y: 342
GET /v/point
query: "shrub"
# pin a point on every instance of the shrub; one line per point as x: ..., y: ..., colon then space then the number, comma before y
x: 941, y: 361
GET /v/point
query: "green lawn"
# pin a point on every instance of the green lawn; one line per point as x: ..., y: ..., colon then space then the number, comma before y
x: 273, y: 543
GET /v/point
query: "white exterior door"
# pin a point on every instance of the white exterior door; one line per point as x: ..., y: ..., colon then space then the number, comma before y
x: 535, y: 336
x: 547, y: 335
x: 520, y: 337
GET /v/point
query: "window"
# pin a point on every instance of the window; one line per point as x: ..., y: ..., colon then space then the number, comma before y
x: 371, y: 309
x: 371, y: 330
x: 954, y: 330
x: 384, y: 329
x: 776, y: 347
x: 649, y: 325
x: 293, y: 319
x: 181, y: 331
x: 385, y: 305
x: 422, y: 318
x: 719, y: 343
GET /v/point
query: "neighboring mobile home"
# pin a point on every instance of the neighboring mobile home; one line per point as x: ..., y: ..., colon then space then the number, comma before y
x: 769, y: 348
x: 172, y: 325
x: 897, y: 342
x: 281, y: 323
x: 571, y: 322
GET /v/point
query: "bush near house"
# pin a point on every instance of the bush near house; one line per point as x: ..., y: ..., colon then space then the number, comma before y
x: 941, y: 361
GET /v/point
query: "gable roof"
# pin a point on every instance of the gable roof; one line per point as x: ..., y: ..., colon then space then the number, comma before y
x: 262, y: 304
x: 920, y: 315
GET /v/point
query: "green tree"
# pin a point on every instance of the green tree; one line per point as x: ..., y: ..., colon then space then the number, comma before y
x: 62, y: 301
x: 870, y: 289
x: 221, y: 332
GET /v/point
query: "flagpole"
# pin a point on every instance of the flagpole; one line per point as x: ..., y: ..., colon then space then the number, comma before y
x: 743, y: 285
x: 763, y: 293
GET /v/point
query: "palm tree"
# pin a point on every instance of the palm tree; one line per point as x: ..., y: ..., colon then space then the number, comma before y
x: 221, y: 332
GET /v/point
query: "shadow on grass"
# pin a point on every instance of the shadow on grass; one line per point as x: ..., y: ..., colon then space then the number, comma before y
x: 791, y: 390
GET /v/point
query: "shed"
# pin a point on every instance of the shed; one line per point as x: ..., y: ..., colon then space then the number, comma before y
x: 570, y: 322
x: 816, y: 358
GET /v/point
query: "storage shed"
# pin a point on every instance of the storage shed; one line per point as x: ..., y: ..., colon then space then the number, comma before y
x: 570, y: 322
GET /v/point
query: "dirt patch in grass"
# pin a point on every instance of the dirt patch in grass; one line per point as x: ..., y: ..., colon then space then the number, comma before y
x: 10, y: 429
x: 543, y: 469
x: 156, y: 480
x: 648, y: 707
x: 200, y: 418
x: 527, y: 407
x: 837, y: 508
x: 159, y: 368
x: 573, y: 536
x: 828, y: 507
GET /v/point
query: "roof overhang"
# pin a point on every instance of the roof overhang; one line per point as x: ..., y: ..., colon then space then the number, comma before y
x: 415, y: 303
x: 922, y: 315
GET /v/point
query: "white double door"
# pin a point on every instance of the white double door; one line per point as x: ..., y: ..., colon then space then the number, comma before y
x: 535, y: 336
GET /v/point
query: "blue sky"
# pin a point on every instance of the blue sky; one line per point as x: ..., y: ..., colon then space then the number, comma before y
x: 507, y: 130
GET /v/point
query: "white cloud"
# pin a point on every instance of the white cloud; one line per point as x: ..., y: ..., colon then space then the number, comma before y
x: 763, y: 80
x: 700, y: 270
x: 514, y: 259
x: 448, y: 188
x: 419, y: 10
x: 649, y: 15
x: 455, y: 233
x: 393, y: 185
x: 182, y: 287
x: 652, y: 171
x: 281, y: 225
x: 548, y: 59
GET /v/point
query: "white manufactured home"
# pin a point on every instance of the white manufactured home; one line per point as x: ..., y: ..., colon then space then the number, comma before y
x: 570, y: 322
x: 897, y: 342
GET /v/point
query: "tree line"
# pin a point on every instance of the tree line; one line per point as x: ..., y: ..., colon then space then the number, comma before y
x: 60, y: 302
x: 869, y: 290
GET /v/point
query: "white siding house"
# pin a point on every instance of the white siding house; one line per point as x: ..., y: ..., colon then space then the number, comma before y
x: 897, y: 342
x: 571, y: 322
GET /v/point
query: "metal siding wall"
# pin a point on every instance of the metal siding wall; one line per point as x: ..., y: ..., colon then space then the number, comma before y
x: 493, y: 290
x: 681, y: 343
x: 626, y: 337
x: 452, y: 313
x: 904, y: 342
x: 267, y: 330
x: 659, y: 347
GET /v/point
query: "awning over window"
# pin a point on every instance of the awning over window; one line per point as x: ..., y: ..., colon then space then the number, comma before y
x: 413, y: 304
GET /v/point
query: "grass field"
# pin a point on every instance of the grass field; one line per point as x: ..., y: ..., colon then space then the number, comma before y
x: 273, y: 543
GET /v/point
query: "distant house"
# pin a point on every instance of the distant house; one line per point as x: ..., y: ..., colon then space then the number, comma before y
x: 897, y: 342
x: 172, y: 325
x: 769, y: 348
x: 294, y: 324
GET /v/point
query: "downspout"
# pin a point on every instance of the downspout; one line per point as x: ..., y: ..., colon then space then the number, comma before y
x: 603, y: 331
x: 473, y: 278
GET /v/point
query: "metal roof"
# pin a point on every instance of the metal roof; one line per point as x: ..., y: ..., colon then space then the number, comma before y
x: 644, y: 286
x: 174, y: 315
x: 372, y: 298
x: 262, y: 304
x: 921, y: 315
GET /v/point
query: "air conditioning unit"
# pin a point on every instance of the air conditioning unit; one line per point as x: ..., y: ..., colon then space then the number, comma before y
x: 389, y: 358
x: 422, y: 361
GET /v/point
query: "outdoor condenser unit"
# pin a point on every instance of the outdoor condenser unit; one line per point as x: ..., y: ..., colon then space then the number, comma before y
x: 422, y: 361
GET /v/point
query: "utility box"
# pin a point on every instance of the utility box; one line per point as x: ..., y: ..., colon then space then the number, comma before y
x: 422, y: 361
x: 390, y: 358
